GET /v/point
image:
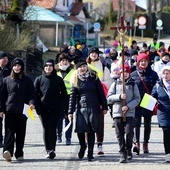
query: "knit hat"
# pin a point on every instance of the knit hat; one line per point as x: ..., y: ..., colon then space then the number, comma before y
x: 107, y: 51
x: 80, y: 62
x: 3, y: 54
x: 134, y: 42
x: 161, y: 44
x: 115, y: 44
x: 126, y: 69
x: 165, y: 54
x: 114, y: 67
x: 18, y: 61
x: 133, y: 52
x: 165, y: 68
x: 49, y: 61
x: 94, y: 49
x: 62, y: 57
x: 142, y: 56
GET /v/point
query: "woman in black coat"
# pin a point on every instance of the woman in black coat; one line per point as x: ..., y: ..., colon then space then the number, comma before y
x: 161, y: 92
x: 17, y: 90
x: 86, y: 98
x: 51, y: 94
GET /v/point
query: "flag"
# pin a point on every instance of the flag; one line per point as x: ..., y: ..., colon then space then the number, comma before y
x: 148, y: 102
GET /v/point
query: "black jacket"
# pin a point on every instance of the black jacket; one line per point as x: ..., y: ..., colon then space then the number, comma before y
x: 150, y: 78
x: 15, y: 93
x: 86, y: 101
x: 51, y: 93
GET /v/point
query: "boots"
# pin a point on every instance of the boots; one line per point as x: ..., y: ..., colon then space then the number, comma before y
x: 145, y: 147
x: 136, y: 148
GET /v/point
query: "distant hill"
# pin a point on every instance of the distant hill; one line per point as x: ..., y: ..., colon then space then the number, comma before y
x: 97, y: 3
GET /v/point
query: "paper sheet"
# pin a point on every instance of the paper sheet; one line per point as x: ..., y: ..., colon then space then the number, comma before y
x: 28, y: 112
x: 148, y: 102
x: 67, y: 127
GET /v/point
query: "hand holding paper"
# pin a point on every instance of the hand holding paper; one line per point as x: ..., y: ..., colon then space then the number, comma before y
x: 28, y: 111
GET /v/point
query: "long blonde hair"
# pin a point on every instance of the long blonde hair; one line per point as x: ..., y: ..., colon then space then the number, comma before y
x: 74, y: 77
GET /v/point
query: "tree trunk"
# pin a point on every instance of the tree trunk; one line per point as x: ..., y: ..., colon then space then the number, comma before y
x: 118, y: 18
x: 148, y: 11
x: 159, y: 10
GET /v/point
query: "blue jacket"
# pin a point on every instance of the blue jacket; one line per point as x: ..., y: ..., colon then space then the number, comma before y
x: 150, y: 78
x: 163, y: 113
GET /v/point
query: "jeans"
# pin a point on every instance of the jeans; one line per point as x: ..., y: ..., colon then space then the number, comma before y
x: 68, y: 133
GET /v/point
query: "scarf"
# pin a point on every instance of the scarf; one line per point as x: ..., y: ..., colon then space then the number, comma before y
x: 83, y: 77
x: 64, y: 68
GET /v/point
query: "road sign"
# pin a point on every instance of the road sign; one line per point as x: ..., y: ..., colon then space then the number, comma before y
x: 159, y: 22
x: 87, y: 25
x: 159, y: 28
x: 142, y: 26
x: 96, y: 25
x: 97, y: 29
x: 142, y: 20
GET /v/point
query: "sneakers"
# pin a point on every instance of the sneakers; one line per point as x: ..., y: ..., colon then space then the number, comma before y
x: 50, y: 154
x: 167, y: 158
x: 90, y: 158
x: 7, y: 156
x: 145, y: 147
x: 59, y: 140
x: 100, y: 150
x: 68, y: 141
x: 21, y: 158
x: 136, y: 148
x: 82, y: 151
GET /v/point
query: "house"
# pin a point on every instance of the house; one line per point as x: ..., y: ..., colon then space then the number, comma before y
x: 73, y: 12
x: 52, y: 27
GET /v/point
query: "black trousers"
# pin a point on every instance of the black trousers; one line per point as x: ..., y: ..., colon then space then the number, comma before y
x: 1, y: 137
x: 90, y: 141
x: 124, y: 133
x: 166, y: 139
x: 15, y: 130
x: 147, y: 128
x: 49, y: 120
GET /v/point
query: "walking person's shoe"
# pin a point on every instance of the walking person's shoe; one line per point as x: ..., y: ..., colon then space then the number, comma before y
x: 145, y: 147
x: 82, y: 151
x: 129, y: 155
x: 68, y: 141
x: 50, y: 154
x: 136, y: 148
x: 7, y: 156
x: 167, y: 158
x: 59, y: 139
x: 21, y: 158
x: 123, y: 158
x: 100, y: 150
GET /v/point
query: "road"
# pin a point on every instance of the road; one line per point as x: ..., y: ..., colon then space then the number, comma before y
x: 66, y: 156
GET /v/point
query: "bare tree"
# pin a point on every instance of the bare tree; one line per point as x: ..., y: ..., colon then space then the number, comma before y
x: 148, y: 11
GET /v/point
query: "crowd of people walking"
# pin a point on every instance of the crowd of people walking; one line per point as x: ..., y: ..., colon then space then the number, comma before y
x: 86, y: 83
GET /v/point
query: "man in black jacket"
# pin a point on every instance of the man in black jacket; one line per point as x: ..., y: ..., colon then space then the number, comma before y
x: 4, y: 72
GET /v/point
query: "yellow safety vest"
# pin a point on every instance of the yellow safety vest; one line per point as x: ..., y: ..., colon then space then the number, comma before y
x: 66, y: 80
x: 156, y: 45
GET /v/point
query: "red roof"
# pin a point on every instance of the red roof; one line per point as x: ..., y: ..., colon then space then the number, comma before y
x: 44, y: 3
x: 77, y: 7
